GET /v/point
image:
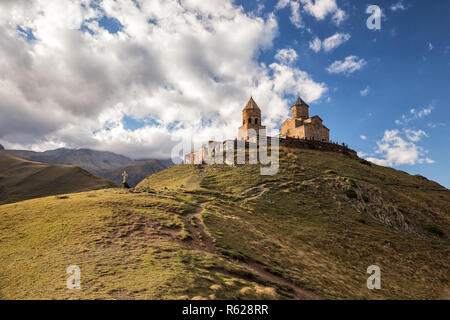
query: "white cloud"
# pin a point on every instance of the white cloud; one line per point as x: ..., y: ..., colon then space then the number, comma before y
x: 415, y: 114
x: 362, y: 154
x: 319, y: 9
x: 365, y: 92
x: 316, y: 45
x: 415, y: 136
x: 335, y: 41
x: 339, y: 16
x: 281, y: 4
x: 295, y: 17
x: 347, y: 66
x: 189, y: 66
x: 286, y: 56
x: 399, y: 6
x: 422, y: 113
x: 435, y: 125
x: 395, y: 150
x: 289, y: 80
x: 329, y: 43
x: 430, y: 46
x: 363, y: 137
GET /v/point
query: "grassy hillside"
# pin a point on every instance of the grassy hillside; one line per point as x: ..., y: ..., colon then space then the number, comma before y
x: 221, y: 232
x: 21, y: 179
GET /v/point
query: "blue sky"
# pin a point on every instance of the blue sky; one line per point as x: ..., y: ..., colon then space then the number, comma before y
x: 134, y: 77
x: 408, y: 67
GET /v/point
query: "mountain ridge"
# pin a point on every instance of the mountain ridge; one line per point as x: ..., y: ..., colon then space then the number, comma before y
x: 104, y: 164
x: 22, y: 179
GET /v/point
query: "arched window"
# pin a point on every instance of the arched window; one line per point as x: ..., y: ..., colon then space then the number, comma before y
x: 249, y: 120
x: 256, y: 120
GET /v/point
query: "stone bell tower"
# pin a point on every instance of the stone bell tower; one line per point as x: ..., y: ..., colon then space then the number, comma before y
x: 251, y: 119
x: 300, y: 110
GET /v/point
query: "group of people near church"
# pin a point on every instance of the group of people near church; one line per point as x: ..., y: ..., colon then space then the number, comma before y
x: 323, y: 140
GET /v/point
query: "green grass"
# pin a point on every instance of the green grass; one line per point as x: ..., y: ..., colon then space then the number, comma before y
x: 126, y: 245
x: 310, y: 227
x: 305, y: 228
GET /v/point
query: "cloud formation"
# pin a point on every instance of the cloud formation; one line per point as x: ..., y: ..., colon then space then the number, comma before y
x: 365, y: 92
x: 395, y: 150
x: 347, y: 66
x: 185, y: 68
x: 286, y: 56
x: 319, y: 9
x: 398, y: 6
x: 329, y: 43
x: 316, y: 45
x: 414, y: 114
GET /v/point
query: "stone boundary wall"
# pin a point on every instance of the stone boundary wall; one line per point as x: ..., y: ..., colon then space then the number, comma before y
x: 317, y: 145
x: 197, y: 157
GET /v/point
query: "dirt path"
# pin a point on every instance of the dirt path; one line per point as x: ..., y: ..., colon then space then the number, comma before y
x: 261, y: 190
x: 202, y: 240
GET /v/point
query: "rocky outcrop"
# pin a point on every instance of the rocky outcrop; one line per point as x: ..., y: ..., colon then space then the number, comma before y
x: 365, y: 198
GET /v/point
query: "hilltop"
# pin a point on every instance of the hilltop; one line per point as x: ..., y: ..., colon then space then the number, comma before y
x: 22, y: 179
x: 226, y: 232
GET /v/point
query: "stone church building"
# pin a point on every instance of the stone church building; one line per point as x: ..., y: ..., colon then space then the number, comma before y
x: 251, y: 119
x: 302, y: 126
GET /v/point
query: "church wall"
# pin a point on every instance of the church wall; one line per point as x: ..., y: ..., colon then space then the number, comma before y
x: 316, y: 131
x: 285, y: 127
x: 243, y: 130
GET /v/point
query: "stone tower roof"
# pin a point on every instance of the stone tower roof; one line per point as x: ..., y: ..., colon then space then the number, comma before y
x: 300, y: 102
x: 251, y: 105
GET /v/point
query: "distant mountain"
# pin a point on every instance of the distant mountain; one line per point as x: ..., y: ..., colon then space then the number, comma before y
x: 22, y: 179
x: 104, y: 164
x: 88, y: 159
x: 137, y: 171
